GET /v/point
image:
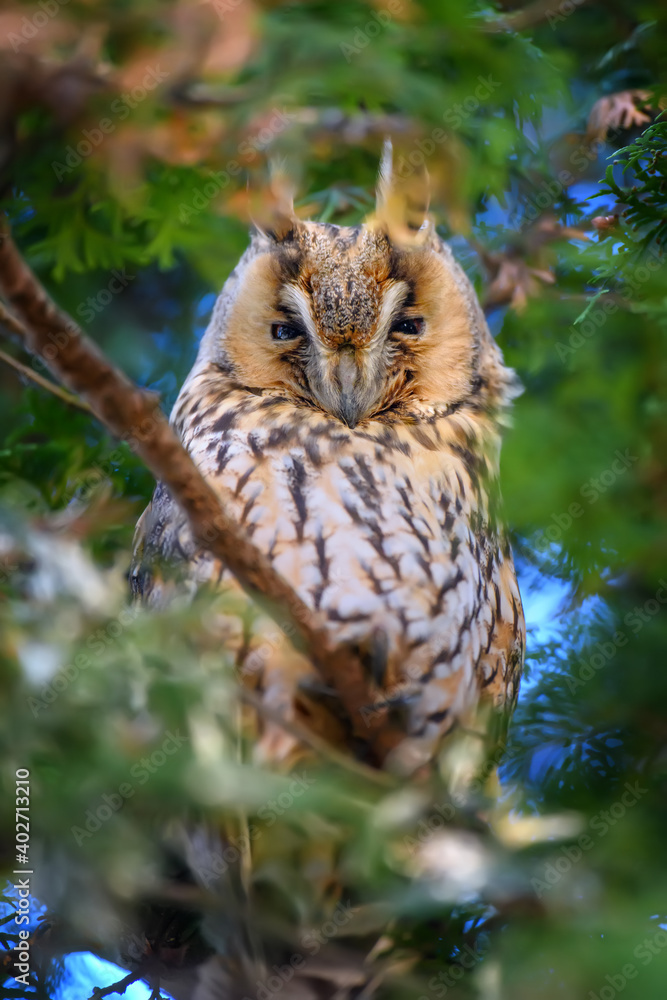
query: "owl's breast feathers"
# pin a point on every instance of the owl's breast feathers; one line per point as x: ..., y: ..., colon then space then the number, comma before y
x: 385, y: 530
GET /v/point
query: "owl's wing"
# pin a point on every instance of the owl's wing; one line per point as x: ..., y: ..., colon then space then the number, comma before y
x: 502, y: 665
x: 168, y: 563
x: 165, y: 558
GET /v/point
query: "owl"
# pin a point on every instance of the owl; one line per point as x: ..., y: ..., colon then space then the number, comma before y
x: 346, y: 404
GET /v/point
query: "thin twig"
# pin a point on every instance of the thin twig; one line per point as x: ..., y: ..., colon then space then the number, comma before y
x: 11, y: 322
x: 134, y: 415
x: 315, y: 742
x: 44, y: 383
x: 118, y: 987
x: 526, y: 17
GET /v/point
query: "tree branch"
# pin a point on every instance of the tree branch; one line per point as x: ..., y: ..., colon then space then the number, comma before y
x: 134, y: 415
x: 118, y: 987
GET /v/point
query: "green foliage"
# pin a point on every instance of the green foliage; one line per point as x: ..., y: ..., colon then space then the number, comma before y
x: 91, y: 687
x: 646, y: 200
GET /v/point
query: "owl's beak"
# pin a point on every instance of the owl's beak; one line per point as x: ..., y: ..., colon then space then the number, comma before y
x: 345, y: 388
x: 358, y: 390
x: 351, y: 406
x: 350, y: 412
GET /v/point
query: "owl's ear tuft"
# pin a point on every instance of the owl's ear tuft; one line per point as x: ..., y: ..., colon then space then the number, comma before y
x: 273, y: 213
x: 402, y: 201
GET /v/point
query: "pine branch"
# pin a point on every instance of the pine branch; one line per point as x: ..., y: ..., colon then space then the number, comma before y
x: 134, y: 415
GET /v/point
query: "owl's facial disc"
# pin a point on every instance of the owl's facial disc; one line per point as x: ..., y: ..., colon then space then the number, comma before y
x: 342, y: 320
x: 348, y: 340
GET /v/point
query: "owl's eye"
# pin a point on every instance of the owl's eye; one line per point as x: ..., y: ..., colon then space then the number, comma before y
x: 283, y: 331
x: 411, y: 327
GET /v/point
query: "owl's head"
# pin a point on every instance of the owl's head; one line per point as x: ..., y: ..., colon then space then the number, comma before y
x: 371, y: 322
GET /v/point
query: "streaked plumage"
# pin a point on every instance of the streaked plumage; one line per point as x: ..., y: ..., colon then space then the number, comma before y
x: 361, y: 454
